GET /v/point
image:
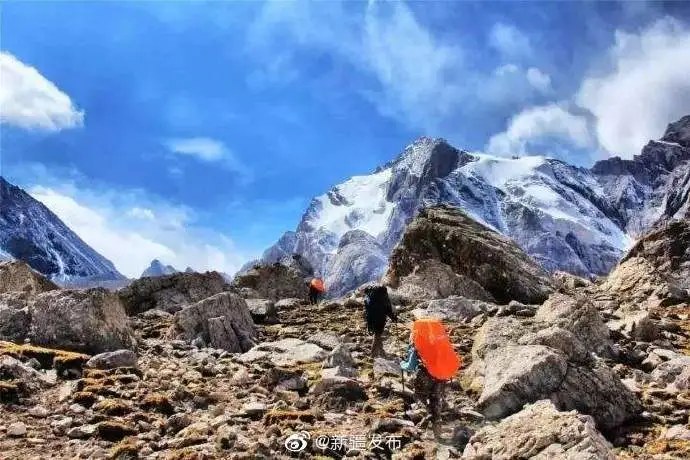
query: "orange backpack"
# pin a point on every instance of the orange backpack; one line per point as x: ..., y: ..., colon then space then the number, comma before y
x: 317, y: 284
x: 434, y: 348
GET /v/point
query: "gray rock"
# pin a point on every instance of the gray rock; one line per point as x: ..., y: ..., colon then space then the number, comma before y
x: 539, y: 431
x: 668, y: 371
x: 580, y: 317
x: 15, y: 321
x: 682, y: 382
x: 39, y: 412
x: 90, y: 321
x: 170, y: 293
x: 473, y: 251
x: 82, y: 432
x: 341, y: 356
x: 340, y: 371
x: 677, y: 433
x: 263, y: 311
x: 13, y: 369
x: 222, y: 321
x: 384, y: 366
x: 273, y: 281
x: 454, y: 308
x: 638, y: 326
x: 517, y: 375
x: 285, y: 353
x: 254, y: 409
x: 289, y: 304
x: 559, y: 339
x: 281, y: 379
x: 16, y: 430
x: 325, y: 340
x: 178, y: 422
x: 113, y: 359
x: 18, y: 277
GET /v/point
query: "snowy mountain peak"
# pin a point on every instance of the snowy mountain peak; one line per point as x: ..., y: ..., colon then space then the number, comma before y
x: 157, y: 268
x: 568, y: 218
x: 30, y: 232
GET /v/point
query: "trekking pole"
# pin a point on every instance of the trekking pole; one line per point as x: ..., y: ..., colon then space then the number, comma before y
x: 402, y: 380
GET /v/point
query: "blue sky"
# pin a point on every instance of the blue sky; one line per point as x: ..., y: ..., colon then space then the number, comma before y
x: 197, y: 132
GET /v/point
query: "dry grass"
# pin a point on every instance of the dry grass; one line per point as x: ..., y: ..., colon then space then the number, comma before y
x: 277, y: 416
x: 159, y: 403
x: 47, y: 357
x: 115, y: 431
x: 114, y: 407
x: 84, y: 398
x: 125, y: 449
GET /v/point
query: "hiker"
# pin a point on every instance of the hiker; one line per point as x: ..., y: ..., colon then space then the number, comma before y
x: 377, y: 308
x: 432, y: 356
x: 316, y: 288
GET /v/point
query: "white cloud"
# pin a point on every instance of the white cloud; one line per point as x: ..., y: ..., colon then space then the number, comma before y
x: 648, y: 87
x: 211, y: 151
x: 418, y: 74
x: 29, y: 100
x: 131, y: 229
x: 510, y: 41
x: 538, y: 123
x: 539, y: 80
x: 201, y: 147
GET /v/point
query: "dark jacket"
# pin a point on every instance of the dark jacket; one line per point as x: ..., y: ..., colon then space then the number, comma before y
x: 377, y: 307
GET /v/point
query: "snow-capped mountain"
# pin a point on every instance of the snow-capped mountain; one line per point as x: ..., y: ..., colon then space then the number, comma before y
x: 29, y: 231
x: 157, y: 268
x: 568, y: 218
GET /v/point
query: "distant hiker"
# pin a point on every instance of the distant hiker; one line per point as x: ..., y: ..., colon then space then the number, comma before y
x: 431, y: 354
x: 377, y: 308
x: 316, y: 289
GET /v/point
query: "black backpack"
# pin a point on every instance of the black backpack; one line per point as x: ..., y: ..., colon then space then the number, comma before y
x: 377, y: 306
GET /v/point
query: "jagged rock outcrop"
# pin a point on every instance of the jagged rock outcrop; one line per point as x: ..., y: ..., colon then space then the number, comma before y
x: 90, y: 321
x: 452, y: 308
x: 655, y: 271
x: 473, y: 251
x: 33, y: 308
x: 17, y: 276
x: 516, y: 362
x: 221, y: 321
x: 170, y: 293
x: 540, y: 431
x: 273, y: 282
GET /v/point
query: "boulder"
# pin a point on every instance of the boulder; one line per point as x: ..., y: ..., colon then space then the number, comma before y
x: 540, y: 431
x: 170, y: 293
x: 668, y: 371
x: 273, y: 282
x: 579, y: 316
x: 15, y: 320
x: 30, y: 378
x: 655, y: 271
x: 285, y: 353
x: 433, y: 279
x: 17, y: 276
x: 289, y: 304
x: 263, y: 311
x: 113, y: 360
x: 453, y: 308
x: 324, y: 340
x: 90, y: 321
x: 636, y: 325
x: 567, y: 282
x: 471, y: 250
x: 221, y: 321
x: 517, y: 375
x: 341, y: 356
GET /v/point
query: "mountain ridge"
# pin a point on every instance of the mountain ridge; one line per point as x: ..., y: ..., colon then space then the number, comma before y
x: 31, y: 232
x: 569, y: 218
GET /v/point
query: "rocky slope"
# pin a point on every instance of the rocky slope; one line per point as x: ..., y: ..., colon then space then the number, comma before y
x: 217, y: 375
x: 30, y: 232
x: 567, y: 218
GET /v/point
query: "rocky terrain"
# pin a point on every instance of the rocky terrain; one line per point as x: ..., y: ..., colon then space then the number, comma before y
x: 190, y: 366
x: 570, y: 219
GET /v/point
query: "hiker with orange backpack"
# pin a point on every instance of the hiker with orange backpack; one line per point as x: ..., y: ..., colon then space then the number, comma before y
x: 431, y: 354
x: 316, y: 289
